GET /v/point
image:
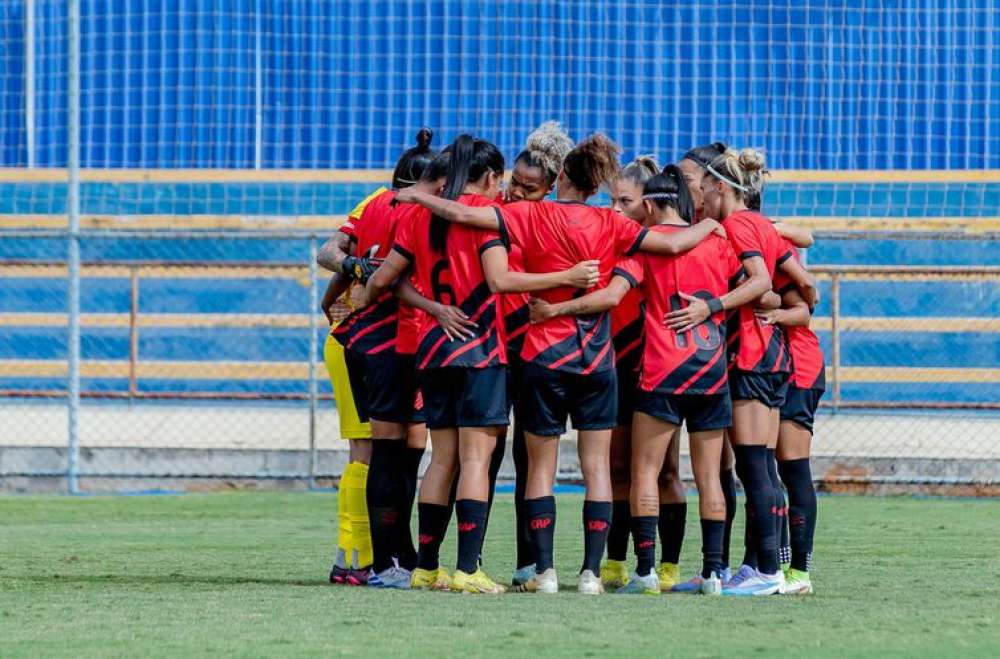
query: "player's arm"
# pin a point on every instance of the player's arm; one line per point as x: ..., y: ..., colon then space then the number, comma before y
x: 591, y: 303
x: 383, y: 279
x: 769, y: 300
x: 798, y: 236
x: 479, y: 217
x: 794, y: 311
x: 453, y: 321
x: 679, y: 242
x: 804, y: 281
x: 757, y: 283
x: 338, y: 284
x: 333, y: 252
x: 500, y: 279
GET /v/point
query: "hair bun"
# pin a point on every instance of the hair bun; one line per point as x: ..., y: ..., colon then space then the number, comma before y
x: 752, y: 160
x: 424, y: 137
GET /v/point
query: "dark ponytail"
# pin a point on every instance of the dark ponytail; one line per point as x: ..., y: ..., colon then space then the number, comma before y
x: 668, y: 188
x: 410, y: 166
x: 592, y: 163
x: 704, y: 155
x: 469, y: 159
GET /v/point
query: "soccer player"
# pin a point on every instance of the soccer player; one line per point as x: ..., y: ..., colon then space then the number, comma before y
x: 806, y: 386
x: 354, y: 550
x: 759, y: 359
x: 382, y: 378
x: 532, y: 178
x: 626, y: 335
x: 464, y: 383
x: 569, y: 361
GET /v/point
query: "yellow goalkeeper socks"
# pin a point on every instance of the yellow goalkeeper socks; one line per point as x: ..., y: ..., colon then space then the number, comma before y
x: 345, y: 540
x: 357, y: 512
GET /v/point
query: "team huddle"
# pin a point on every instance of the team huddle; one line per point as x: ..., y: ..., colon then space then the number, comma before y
x: 473, y: 301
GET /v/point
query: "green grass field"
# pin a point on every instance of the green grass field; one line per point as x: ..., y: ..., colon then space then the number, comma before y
x: 246, y: 574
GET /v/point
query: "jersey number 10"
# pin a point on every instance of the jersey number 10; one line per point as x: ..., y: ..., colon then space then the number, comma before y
x: 711, y: 339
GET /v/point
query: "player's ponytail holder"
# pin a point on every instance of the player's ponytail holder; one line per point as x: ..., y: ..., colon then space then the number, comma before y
x: 660, y: 195
x: 724, y: 179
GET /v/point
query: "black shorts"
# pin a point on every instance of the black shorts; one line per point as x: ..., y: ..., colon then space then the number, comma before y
x: 459, y: 397
x: 628, y: 388
x: 700, y: 411
x: 768, y: 388
x: 550, y: 396
x: 384, y: 386
x: 800, y: 406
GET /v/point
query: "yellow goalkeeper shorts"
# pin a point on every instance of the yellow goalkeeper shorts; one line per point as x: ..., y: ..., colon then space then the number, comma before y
x: 351, y: 426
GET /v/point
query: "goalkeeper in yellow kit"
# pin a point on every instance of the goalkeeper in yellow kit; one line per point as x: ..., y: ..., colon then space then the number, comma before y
x: 354, y: 544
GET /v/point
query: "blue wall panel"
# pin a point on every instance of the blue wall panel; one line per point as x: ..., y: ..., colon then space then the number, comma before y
x: 865, y: 84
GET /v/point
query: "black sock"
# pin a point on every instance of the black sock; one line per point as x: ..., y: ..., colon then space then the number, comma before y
x: 673, y: 517
x: 712, y: 533
x: 496, y: 460
x: 409, y: 471
x: 751, y: 465
x: 383, y: 494
x: 801, y: 510
x: 784, y: 546
x: 729, y: 492
x: 525, y: 552
x: 471, y: 515
x: 596, y: 524
x: 542, y: 527
x: 432, y: 524
x: 644, y: 542
x: 778, y: 507
x: 749, y: 541
x: 618, y: 535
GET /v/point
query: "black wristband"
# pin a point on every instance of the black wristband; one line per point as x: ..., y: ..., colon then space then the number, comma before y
x: 715, y: 305
x: 347, y: 266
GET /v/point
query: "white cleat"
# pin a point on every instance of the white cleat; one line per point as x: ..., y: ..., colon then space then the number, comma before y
x: 711, y: 586
x: 544, y: 582
x: 590, y: 583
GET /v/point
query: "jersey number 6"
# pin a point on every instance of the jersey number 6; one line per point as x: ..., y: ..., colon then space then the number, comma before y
x: 442, y: 291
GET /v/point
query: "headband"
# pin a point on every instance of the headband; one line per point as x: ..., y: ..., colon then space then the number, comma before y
x: 741, y: 188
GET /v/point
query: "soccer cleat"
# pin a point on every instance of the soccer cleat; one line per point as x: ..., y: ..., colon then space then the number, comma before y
x: 358, y: 576
x: 725, y: 575
x: 614, y: 574
x: 437, y: 579
x: 338, y: 575
x: 590, y: 584
x: 669, y: 575
x: 797, y: 583
x: 744, y: 573
x: 712, y: 585
x: 477, y: 582
x: 691, y: 586
x: 394, y: 577
x: 647, y: 585
x: 544, y: 582
x: 522, y: 577
x: 756, y: 585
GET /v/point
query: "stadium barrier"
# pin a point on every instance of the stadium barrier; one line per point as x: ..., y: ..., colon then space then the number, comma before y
x: 202, y: 365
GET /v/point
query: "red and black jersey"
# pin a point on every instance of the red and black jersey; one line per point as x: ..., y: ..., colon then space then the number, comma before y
x: 373, y: 329
x: 514, y: 306
x: 692, y: 362
x: 807, y: 356
x: 627, y: 318
x: 555, y: 236
x: 754, y: 346
x: 454, y: 278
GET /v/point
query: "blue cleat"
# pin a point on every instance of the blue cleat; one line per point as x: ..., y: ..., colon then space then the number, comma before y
x: 755, y: 584
x: 647, y: 585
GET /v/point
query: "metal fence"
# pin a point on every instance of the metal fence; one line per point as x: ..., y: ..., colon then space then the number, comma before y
x: 201, y: 365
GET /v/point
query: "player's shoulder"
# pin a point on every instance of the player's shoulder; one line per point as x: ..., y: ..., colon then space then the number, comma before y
x: 477, y: 200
